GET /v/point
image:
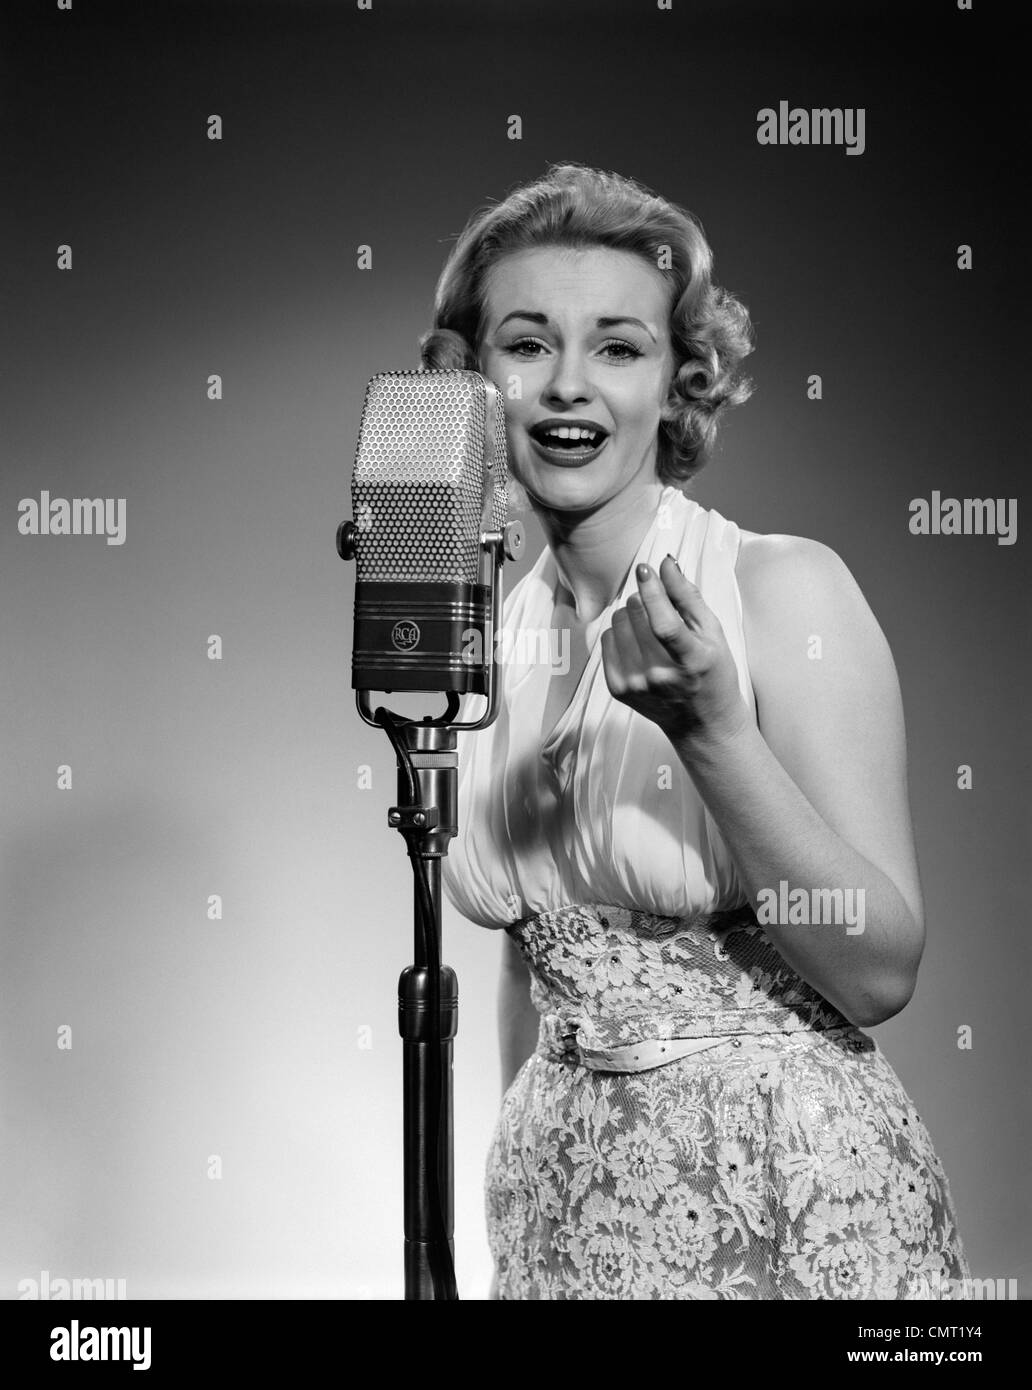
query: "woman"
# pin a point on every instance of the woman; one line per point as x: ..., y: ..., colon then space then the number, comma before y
x: 695, y: 831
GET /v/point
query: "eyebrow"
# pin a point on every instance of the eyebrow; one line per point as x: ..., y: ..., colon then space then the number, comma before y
x: 599, y: 323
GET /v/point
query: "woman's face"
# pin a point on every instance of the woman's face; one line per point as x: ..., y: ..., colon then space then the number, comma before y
x: 586, y: 333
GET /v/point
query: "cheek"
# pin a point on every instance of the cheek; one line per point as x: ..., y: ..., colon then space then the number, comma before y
x: 642, y: 408
x: 644, y: 387
x: 503, y: 375
x: 488, y: 359
x: 488, y: 363
x: 485, y: 364
x: 661, y: 374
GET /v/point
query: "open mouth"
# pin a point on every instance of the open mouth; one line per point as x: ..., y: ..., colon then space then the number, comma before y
x: 573, y: 440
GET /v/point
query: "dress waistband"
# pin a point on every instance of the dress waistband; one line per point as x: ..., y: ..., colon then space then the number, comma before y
x: 558, y: 1041
x: 626, y: 990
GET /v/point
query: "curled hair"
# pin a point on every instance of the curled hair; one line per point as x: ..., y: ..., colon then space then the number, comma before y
x: 579, y: 207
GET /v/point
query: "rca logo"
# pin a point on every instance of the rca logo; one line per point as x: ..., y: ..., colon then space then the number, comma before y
x: 405, y: 635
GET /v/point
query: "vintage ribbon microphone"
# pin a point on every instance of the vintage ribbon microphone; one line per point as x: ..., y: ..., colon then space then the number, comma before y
x: 429, y: 536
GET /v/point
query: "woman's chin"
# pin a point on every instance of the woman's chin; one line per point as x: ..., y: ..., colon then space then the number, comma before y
x: 561, y: 489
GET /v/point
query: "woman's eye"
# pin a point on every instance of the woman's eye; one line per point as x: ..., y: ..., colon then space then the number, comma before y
x: 621, y: 350
x: 522, y: 344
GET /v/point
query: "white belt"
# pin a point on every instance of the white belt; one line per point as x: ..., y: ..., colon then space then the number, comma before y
x: 643, y: 1056
x: 656, y: 1052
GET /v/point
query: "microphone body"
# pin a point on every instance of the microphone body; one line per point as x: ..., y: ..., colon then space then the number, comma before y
x: 430, y: 480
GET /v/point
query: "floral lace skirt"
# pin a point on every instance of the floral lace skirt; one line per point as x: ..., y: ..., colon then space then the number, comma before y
x: 782, y: 1160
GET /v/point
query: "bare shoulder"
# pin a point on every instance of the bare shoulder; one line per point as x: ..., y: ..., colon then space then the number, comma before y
x: 792, y: 586
x: 775, y: 570
x: 769, y: 556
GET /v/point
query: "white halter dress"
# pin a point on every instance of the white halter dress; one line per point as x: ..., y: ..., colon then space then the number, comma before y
x: 697, y: 1122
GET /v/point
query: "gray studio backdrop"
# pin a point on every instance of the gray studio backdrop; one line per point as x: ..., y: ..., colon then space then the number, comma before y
x: 211, y: 1106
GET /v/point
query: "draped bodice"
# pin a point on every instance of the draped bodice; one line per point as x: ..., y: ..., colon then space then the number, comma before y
x: 601, y: 809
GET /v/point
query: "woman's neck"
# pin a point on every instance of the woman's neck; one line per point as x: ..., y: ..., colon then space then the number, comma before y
x: 594, y: 550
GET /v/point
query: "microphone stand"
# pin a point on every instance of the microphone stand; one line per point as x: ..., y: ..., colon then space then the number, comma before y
x: 427, y: 991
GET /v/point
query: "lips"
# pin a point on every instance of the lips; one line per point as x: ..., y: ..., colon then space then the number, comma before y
x: 567, y: 440
x: 568, y: 433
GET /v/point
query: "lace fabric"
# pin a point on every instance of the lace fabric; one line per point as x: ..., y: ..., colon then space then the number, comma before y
x: 782, y: 1160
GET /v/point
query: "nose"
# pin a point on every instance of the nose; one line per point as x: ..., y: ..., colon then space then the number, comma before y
x: 569, y: 383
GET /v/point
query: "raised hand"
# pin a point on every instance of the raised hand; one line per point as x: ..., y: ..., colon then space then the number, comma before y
x: 666, y: 656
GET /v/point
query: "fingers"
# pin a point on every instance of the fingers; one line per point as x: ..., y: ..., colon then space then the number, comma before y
x: 672, y: 591
x: 630, y: 665
x: 612, y: 667
x: 654, y: 653
x: 658, y: 629
x: 674, y: 605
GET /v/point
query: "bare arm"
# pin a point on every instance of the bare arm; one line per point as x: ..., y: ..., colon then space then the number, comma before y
x: 817, y: 796
x: 812, y: 802
x: 517, y: 1017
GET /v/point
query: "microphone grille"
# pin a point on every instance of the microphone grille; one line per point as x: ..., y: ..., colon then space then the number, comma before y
x: 430, y: 472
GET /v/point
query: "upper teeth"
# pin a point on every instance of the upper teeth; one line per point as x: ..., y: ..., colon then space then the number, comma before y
x: 570, y: 432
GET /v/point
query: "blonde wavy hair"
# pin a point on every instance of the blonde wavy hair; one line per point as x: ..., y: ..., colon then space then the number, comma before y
x: 576, y: 206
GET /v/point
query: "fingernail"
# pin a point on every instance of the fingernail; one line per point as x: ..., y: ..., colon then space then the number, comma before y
x: 677, y: 567
x: 643, y: 572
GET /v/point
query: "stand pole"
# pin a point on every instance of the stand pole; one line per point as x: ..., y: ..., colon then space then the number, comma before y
x: 427, y: 1246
